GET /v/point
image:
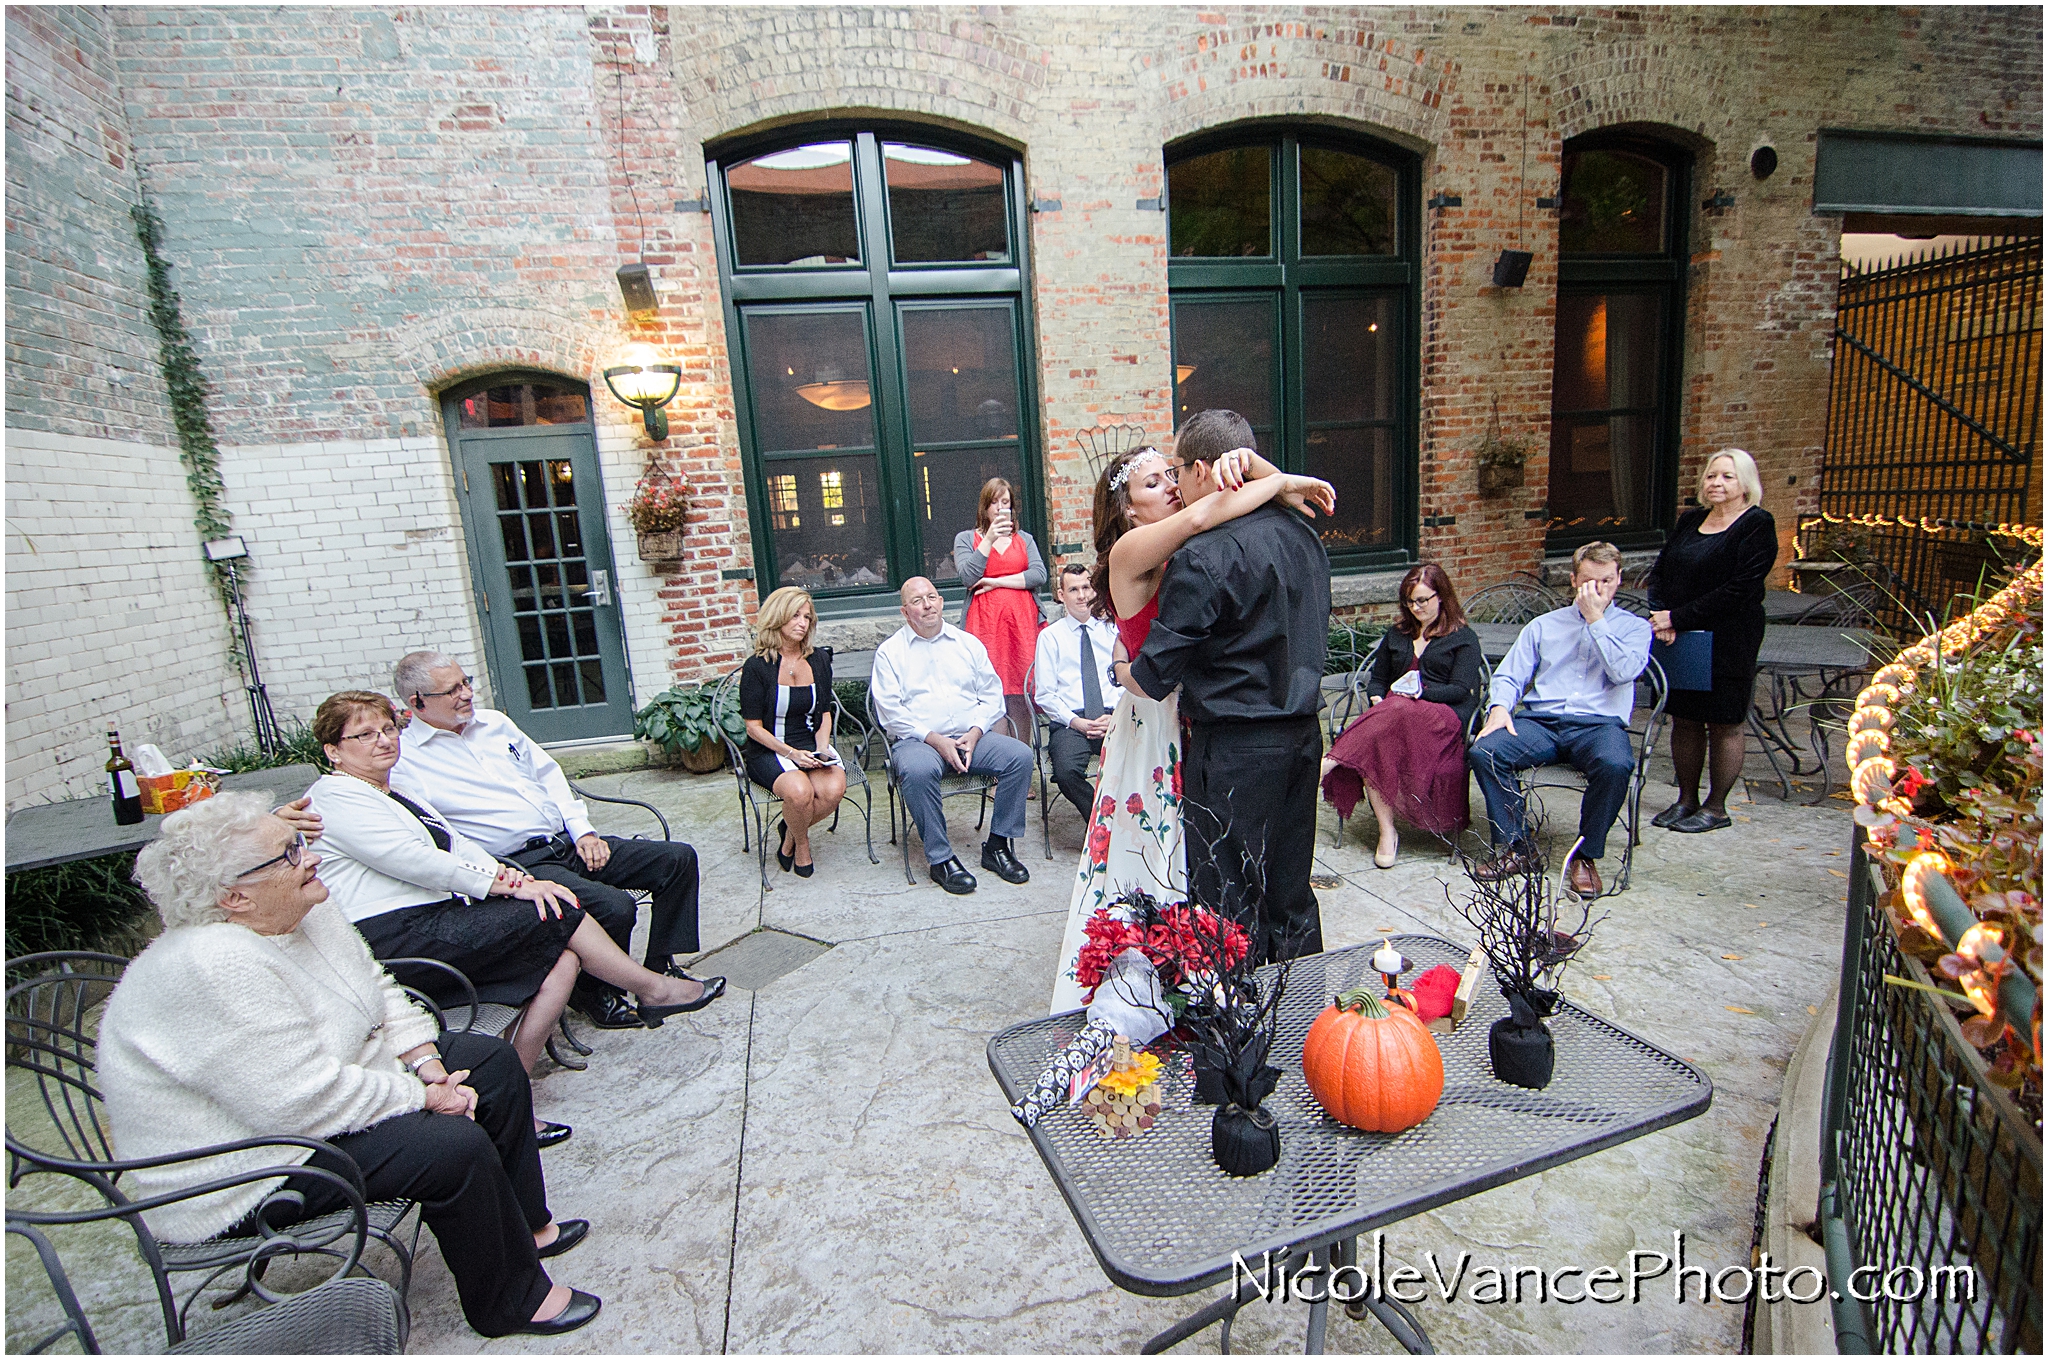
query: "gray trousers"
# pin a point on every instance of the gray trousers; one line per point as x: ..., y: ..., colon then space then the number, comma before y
x: 918, y: 771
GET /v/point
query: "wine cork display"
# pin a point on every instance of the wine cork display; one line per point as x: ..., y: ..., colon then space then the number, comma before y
x: 1125, y: 1102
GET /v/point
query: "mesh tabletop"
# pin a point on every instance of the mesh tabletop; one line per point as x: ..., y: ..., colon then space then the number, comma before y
x: 1800, y: 647
x: 1162, y: 1219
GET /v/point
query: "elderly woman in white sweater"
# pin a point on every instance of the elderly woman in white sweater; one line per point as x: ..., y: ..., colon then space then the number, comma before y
x: 259, y: 1012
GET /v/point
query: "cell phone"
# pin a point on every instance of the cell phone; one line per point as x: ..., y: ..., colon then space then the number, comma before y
x: 829, y: 755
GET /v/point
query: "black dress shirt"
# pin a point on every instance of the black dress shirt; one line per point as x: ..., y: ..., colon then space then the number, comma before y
x: 1244, y: 622
x: 1450, y: 669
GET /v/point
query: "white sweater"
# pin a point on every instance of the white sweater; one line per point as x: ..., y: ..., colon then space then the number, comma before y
x: 217, y: 1033
x: 376, y: 857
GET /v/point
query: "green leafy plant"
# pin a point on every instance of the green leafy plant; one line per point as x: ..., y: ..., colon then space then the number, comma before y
x: 83, y: 904
x: 684, y: 717
x: 296, y: 746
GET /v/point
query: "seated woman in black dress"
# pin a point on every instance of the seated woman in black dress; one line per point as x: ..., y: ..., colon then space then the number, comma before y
x: 1711, y: 576
x: 1408, y: 749
x: 786, y: 700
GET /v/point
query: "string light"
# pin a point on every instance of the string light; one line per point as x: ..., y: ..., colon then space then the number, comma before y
x: 2025, y: 533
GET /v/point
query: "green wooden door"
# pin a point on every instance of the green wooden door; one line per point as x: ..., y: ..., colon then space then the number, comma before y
x: 541, y: 566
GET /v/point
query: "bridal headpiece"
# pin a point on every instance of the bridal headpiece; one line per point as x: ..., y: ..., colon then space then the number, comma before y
x: 1142, y: 458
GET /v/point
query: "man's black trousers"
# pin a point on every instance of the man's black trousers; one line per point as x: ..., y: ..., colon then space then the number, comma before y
x: 1070, y: 751
x: 668, y: 869
x: 1250, y: 814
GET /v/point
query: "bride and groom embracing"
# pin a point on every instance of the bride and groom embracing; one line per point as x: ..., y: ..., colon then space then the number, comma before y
x: 1220, y: 592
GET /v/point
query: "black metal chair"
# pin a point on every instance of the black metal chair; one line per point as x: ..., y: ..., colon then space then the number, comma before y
x: 1041, y: 758
x: 1511, y: 602
x: 980, y: 785
x: 1356, y: 701
x: 757, y: 805
x: 53, y: 1015
x: 564, y: 1037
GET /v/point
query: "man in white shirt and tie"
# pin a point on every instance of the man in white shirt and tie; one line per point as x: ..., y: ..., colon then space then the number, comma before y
x: 937, y: 697
x: 492, y: 783
x: 1072, y: 684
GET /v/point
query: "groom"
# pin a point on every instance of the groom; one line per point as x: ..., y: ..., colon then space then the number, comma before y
x: 1244, y: 623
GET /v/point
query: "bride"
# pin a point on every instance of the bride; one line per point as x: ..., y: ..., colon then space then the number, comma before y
x: 1134, y: 827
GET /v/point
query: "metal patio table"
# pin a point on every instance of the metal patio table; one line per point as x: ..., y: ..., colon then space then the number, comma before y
x: 80, y: 828
x: 1815, y: 668
x: 1163, y: 1220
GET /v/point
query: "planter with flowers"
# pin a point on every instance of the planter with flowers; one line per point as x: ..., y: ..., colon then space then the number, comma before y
x: 656, y: 513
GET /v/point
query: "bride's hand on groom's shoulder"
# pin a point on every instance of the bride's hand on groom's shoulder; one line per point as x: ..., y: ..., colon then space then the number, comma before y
x: 1308, y: 494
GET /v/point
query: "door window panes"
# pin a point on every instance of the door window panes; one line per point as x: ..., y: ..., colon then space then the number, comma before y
x: 1350, y: 407
x: 944, y: 206
x: 1224, y: 356
x: 960, y: 365
x: 528, y: 403
x: 808, y: 376
x: 826, y: 517
x: 1614, y: 204
x: 1347, y: 203
x: 552, y: 615
x: 1222, y: 203
x: 795, y: 207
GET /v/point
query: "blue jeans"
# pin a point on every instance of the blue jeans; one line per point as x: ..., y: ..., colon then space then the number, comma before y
x: 919, y: 769
x: 1598, y: 748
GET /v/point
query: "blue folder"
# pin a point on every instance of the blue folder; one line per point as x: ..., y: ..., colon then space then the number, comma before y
x: 1688, y: 662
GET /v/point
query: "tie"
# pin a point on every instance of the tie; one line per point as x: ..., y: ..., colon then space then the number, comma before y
x: 1091, y: 683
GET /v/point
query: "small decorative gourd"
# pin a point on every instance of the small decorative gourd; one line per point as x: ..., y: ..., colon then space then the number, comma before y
x: 1372, y: 1065
x: 1126, y: 1101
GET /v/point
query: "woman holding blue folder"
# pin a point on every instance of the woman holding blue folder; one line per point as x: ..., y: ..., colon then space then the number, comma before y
x: 1710, y: 577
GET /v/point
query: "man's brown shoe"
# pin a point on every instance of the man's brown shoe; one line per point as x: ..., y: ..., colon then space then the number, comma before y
x: 1583, y: 879
x: 1508, y: 863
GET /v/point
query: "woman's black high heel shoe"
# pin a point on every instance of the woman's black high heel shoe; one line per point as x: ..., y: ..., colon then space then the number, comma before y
x: 785, y: 862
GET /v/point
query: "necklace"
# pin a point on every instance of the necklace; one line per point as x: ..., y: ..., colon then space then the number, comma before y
x: 344, y: 991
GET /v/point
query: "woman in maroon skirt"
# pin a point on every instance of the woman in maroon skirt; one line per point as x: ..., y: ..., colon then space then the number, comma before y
x: 1407, y: 751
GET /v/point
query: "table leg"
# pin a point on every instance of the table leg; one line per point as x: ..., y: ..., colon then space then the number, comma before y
x: 1392, y: 1314
x: 1222, y: 1310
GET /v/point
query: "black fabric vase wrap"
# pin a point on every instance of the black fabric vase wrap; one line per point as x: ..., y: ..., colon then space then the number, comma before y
x: 1519, y: 1043
x: 1244, y: 1138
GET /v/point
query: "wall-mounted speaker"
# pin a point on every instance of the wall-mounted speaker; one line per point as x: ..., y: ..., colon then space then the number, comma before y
x: 636, y: 285
x: 1512, y: 268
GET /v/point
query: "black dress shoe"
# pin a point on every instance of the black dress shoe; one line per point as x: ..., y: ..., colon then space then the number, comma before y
x: 607, y: 1008
x: 581, y: 1310
x: 1701, y: 820
x: 784, y: 862
x: 570, y: 1233
x: 1673, y: 815
x: 552, y: 1135
x: 997, y: 858
x: 951, y: 875
x: 653, y: 1016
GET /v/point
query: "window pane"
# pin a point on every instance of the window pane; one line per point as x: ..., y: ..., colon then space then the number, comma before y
x: 1223, y: 356
x: 808, y: 375
x: 962, y: 376
x: 943, y: 206
x: 1607, y: 351
x: 1348, y: 358
x: 795, y: 206
x: 1605, y: 411
x: 1613, y: 204
x: 1600, y: 473
x: 945, y: 492
x: 1347, y: 204
x: 524, y: 404
x: 821, y: 547
x: 1222, y: 203
x: 1359, y: 462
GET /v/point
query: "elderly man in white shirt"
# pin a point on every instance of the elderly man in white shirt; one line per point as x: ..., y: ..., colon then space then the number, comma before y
x: 937, y: 696
x: 1073, y: 651
x: 493, y: 784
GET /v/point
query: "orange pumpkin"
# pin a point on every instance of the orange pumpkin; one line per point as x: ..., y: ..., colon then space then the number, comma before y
x: 1372, y: 1066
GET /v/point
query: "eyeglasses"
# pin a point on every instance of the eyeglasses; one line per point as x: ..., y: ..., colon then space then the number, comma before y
x: 465, y: 683
x: 294, y: 855
x: 387, y: 732
x: 1420, y: 599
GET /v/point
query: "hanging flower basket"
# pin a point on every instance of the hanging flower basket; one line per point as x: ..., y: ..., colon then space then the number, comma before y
x: 1501, y: 461
x: 657, y: 511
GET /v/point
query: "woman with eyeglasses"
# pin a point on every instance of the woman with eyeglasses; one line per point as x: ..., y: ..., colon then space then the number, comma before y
x: 259, y: 1013
x: 1406, y: 752
x: 417, y: 888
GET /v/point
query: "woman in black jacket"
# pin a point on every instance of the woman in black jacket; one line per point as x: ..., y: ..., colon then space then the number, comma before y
x: 1711, y: 576
x: 1407, y: 751
x: 786, y: 702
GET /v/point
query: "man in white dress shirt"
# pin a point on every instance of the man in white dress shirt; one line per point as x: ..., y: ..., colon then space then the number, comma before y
x: 1079, y: 710
x: 497, y: 787
x: 937, y: 696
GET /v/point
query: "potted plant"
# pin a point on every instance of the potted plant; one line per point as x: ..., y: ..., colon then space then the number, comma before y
x: 691, y: 723
x: 656, y: 512
x: 1502, y: 462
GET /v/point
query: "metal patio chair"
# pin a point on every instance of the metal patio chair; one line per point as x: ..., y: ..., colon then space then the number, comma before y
x: 1041, y: 758
x: 1355, y: 702
x: 980, y: 785
x: 1511, y: 602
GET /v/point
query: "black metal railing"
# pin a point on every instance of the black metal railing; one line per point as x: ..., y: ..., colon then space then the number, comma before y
x: 1931, y: 1176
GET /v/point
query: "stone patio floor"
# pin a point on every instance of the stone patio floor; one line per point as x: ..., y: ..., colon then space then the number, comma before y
x: 822, y: 1162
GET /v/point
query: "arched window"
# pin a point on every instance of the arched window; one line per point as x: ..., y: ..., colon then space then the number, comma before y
x: 873, y: 287
x: 1620, y: 315
x: 1294, y: 285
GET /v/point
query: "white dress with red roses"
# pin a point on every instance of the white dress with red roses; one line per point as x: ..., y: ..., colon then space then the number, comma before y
x: 1134, y: 828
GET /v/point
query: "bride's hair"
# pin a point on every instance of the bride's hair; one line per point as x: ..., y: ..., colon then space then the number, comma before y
x: 1113, y: 520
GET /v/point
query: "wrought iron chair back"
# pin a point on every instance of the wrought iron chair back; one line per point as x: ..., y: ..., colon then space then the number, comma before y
x: 1510, y: 602
x: 1104, y: 444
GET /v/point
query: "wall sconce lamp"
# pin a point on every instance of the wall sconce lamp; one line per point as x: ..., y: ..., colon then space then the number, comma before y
x: 646, y: 381
x: 831, y: 392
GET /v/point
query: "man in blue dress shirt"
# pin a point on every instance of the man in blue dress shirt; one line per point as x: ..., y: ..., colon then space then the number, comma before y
x: 1574, y: 671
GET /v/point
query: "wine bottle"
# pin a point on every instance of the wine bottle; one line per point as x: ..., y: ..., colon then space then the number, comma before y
x: 121, y: 783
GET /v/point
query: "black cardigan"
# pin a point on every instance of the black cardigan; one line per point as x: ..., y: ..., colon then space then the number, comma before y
x: 1716, y: 582
x: 1450, y: 669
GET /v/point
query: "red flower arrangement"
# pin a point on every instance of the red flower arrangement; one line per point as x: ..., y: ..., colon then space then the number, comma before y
x: 1178, y: 940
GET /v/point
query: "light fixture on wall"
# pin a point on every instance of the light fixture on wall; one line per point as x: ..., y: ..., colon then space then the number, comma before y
x: 1182, y: 372
x: 647, y: 381
x: 831, y: 392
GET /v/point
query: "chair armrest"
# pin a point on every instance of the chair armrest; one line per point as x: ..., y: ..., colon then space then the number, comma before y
x: 440, y: 1019
x: 582, y: 792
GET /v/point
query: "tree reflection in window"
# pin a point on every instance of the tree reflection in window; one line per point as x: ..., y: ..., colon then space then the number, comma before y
x: 1613, y: 204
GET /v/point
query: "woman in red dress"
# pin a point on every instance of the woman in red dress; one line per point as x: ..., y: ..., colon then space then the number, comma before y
x: 1000, y: 565
x: 1407, y: 751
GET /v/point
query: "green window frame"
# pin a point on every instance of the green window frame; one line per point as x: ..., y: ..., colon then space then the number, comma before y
x: 1604, y: 291
x: 879, y: 499
x: 1328, y: 341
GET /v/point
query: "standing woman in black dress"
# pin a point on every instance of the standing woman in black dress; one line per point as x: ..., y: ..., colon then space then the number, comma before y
x: 786, y: 700
x: 1711, y: 576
